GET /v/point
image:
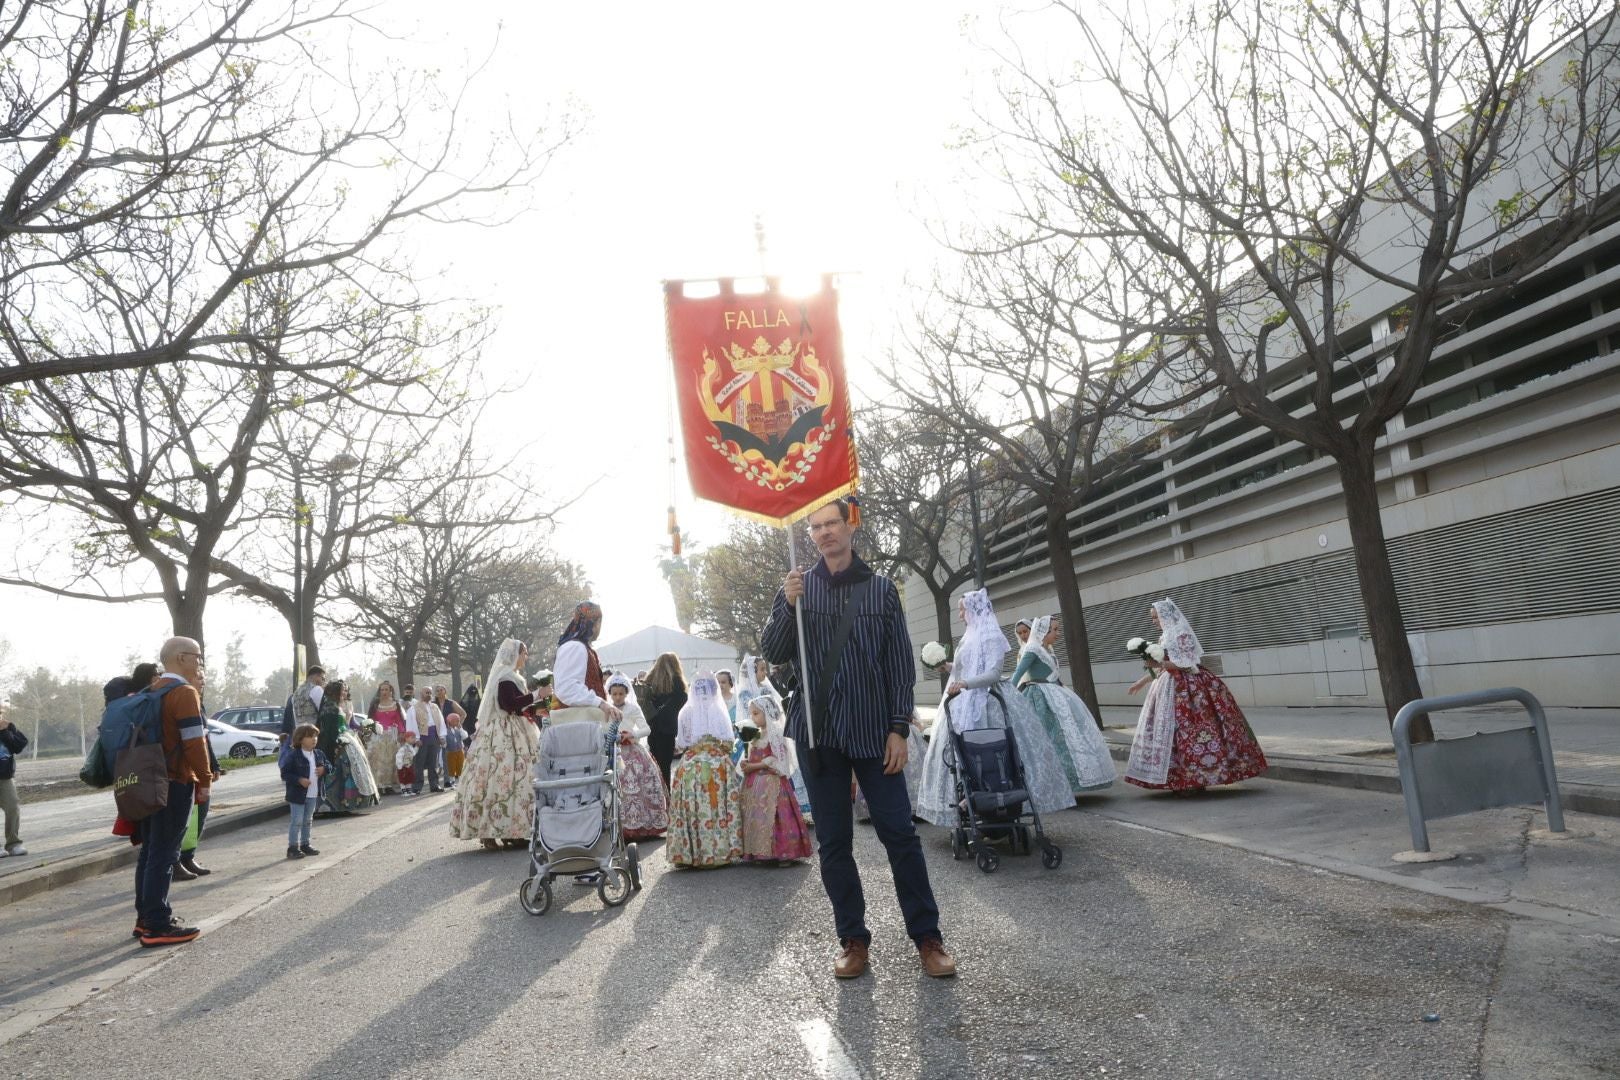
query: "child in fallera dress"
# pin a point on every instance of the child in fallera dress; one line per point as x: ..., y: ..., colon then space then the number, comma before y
x: 773, y: 828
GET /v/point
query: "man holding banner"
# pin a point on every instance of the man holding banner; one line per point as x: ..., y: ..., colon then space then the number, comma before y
x: 759, y: 379
x: 859, y: 653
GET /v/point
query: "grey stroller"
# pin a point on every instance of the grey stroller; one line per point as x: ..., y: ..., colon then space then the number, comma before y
x: 576, y: 816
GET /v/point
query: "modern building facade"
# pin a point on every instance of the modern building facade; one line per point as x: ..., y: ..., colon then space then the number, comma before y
x: 1500, y: 487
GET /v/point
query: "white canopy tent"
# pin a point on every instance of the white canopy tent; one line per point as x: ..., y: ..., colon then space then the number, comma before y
x: 638, y: 651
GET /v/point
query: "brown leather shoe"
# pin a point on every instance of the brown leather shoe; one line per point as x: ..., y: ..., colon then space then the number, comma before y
x: 935, y: 960
x: 851, y: 962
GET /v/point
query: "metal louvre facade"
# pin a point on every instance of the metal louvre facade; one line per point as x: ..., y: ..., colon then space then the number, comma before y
x: 1500, y: 486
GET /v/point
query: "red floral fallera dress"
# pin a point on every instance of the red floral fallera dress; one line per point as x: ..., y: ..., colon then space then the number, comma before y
x: 1213, y: 743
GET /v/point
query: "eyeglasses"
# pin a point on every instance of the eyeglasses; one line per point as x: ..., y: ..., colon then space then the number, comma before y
x: 198, y: 655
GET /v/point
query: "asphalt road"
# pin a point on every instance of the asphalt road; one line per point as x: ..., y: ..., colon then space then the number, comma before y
x: 403, y: 953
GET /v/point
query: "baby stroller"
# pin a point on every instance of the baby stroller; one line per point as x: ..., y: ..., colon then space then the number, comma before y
x: 576, y: 816
x: 992, y: 797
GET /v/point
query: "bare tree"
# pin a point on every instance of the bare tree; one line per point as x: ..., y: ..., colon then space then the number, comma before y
x: 735, y: 582
x: 1247, y: 184
x: 218, y: 139
x: 917, y: 487
x: 1012, y: 370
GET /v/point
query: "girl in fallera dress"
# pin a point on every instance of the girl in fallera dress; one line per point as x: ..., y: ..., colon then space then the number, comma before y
x: 978, y: 697
x: 756, y: 682
x: 348, y: 785
x: 773, y: 829
x: 495, y: 799
x: 1190, y: 734
x: 389, y: 717
x: 1080, y: 745
x: 704, y: 786
x: 644, y: 804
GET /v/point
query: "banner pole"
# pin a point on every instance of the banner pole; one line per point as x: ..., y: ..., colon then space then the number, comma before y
x: 804, y: 664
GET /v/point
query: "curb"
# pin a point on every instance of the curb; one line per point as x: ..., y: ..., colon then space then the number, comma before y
x: 77, y: 868
x: 1350, y: 773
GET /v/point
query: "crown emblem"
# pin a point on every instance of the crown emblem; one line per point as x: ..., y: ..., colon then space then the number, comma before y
x: 760, y: 357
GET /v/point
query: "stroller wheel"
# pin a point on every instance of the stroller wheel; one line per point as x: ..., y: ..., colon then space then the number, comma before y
x: 633, y: 857
x: 1051, y: 856
x: 535, y: 895
x: 988, y: 860
x: 614, y: 887
x: 958, y: 845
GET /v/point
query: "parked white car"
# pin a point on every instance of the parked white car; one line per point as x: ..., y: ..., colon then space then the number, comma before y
x: 236, y: 742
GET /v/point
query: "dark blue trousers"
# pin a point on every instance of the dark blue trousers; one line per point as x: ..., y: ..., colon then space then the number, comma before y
x: 160, y: 835
x: 835, y: 839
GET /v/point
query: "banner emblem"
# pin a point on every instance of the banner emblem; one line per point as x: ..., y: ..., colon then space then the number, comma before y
x: 763, y: 404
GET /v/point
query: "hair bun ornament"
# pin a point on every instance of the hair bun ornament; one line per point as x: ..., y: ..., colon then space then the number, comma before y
x: 854, y: 511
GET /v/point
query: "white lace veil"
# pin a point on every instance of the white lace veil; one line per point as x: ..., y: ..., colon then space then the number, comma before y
x: 983, y: 645
x: 771, y: 733
x: 504, y: 667
x: 1180, y: 643
x: 703, y: 714
x: 1037, y: 642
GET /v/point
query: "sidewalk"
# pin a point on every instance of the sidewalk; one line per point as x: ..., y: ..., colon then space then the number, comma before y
x: 1352, y: 747
x: 71, y: 839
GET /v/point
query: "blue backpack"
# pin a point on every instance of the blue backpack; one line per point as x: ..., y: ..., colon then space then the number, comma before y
x: 125, y: 715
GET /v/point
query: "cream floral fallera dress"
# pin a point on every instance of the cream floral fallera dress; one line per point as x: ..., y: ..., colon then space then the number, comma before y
x: 495, y: 795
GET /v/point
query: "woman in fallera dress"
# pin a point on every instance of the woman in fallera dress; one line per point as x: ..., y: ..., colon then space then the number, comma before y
x: 389, y: 717
x: 978, y: 697
x: 347, y: 785
x: 704, y: 785
x: 1080, y: 745
x: 1190, y: 734
x: 495, y: 798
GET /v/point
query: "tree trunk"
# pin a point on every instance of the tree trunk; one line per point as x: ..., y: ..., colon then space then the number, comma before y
x: 1070, y: 609
x: 455, y: 661
x: 942, y: 625
x: 306, y: 634
x: 407, y: 667
x: 1397, y: 674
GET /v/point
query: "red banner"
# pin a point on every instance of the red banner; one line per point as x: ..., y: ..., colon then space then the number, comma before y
x: 759, y: 378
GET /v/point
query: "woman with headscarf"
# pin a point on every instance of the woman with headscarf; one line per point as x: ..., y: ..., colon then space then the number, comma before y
x: 495, y: 799
x: 703, y: 790
x: 347, y: 785
x: 666, y: 697
x: 1190, y: 734
x: 1080, y: 745
x: 772, y: 826
x: 643, y: 802
x: 387, y: 725
x: 577, y: 682
x: 978, y: 697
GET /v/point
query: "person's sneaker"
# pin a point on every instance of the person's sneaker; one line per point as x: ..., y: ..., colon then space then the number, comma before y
x: 173, y: 934
x: 191, y: 864
x: 305, y: 849
x: 16, y: 849
x: 294, y: 853
x: 140, y: 931
x: 181, y: 873
x: 935, y: 960
x: 852, y: 958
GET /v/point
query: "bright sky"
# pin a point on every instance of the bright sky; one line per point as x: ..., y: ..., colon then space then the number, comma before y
x: 831, y: 121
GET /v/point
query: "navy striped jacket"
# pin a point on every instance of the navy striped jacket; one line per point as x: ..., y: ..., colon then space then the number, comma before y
x: 873, y: 686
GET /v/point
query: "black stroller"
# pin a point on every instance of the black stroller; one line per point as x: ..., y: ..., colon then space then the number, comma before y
x: 992, y: 797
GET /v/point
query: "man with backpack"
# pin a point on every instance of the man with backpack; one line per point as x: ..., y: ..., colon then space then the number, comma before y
x: 185, y: 750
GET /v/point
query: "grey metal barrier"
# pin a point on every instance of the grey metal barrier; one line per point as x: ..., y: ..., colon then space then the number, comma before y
x: 1449, y: 777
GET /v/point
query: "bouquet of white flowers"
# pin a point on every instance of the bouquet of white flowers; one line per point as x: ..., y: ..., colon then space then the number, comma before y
x: 933, y: 654
x: 1148, y: 651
